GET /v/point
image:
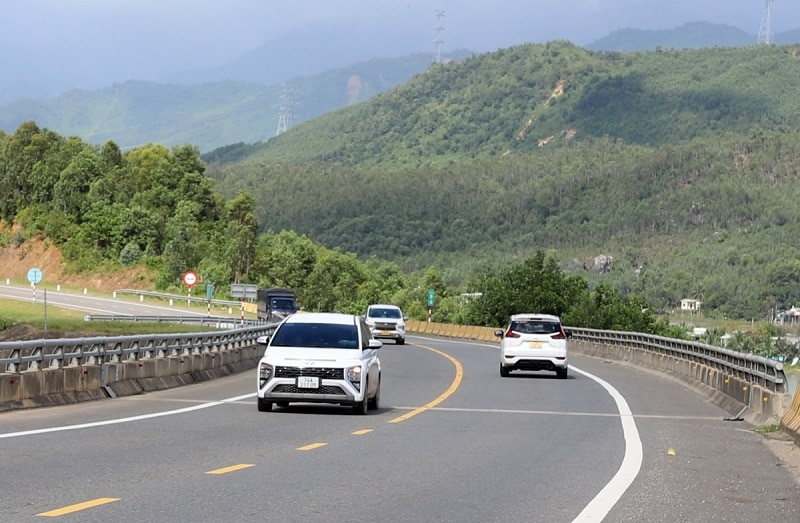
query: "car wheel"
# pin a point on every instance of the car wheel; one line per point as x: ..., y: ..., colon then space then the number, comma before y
x: 360, y: 408
x: 400, y: 341
x: 282, y: 404
x: 264, y: 406
x: 375, y: 402
x: 562, y: 373
x: 504, y: 371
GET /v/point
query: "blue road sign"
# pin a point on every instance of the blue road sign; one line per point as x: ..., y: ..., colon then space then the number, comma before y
x: 35, y: 276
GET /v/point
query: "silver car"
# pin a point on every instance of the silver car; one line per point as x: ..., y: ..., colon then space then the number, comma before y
x: 320, y: 358
x: 387, y: 322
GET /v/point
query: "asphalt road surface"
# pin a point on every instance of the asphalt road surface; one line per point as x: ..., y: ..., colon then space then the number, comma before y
x: 451, y: 442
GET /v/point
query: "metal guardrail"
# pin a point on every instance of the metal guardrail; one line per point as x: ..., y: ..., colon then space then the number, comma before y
x: 749, y: 367
x: 165, y: 296
x: 20, y: 356
x: 219, y: 322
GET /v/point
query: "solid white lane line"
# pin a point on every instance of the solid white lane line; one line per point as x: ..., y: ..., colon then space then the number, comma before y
x: 124, y: 420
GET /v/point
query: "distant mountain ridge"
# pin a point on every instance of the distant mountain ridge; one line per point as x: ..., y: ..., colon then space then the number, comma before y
x: 208, y: 115
x: 219, y: 112
x: 693, y: 35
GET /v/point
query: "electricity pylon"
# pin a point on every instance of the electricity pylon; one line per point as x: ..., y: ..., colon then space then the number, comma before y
x: 765, y: 32
x: 437, y: 55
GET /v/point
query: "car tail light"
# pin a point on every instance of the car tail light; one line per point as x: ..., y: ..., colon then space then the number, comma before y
x: 560, y: 335
x: 511, y: 334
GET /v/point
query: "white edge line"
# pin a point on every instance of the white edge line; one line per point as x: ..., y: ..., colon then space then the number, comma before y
x: 124, y: 420
x: 604, y: 501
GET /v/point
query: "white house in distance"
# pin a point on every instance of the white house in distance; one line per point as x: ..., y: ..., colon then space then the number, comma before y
x: 690, y: 305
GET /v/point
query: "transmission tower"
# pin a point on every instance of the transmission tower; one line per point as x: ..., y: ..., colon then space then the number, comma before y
x: 437, y: 54
x: 285, y: 111
x: 765, y: 33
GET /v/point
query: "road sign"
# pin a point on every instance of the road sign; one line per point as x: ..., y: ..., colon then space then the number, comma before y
x: 35, y: 276
x: 243, y: 290
x: 190, y: 278
x: 431, y: 297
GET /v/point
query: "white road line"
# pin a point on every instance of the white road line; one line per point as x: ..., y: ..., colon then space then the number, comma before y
x: 124, y: 420
x: 604, y: 501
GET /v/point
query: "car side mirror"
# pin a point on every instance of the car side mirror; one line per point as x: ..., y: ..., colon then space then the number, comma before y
x: 375, y: 344
x: 263, y: 340
x: 498, y: 333
x: 568, y: 334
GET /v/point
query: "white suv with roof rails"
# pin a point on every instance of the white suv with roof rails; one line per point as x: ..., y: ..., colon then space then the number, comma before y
x: 320, y: 358
x: 534, y: 342
x: 387, y: 322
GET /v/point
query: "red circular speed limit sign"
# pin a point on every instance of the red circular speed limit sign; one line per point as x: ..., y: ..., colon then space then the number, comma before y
x: 190, y: 278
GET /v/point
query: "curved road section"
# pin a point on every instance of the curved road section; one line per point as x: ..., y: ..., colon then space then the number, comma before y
x: 452, y: 441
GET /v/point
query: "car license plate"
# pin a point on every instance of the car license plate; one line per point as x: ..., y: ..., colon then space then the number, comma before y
x: 385, y: 333
x: 308, y: 382
x: 535, y: 344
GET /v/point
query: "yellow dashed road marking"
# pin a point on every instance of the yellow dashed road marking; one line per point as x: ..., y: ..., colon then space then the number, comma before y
x: 232, y: 468
x: 80, y: 506
x: 312, y: 446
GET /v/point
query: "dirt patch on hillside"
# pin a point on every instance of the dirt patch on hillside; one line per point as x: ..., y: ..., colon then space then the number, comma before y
x: 15, y: 262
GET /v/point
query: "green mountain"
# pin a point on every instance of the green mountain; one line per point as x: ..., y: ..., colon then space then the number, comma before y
x: 673, y: 173
x: 688, y: 36
x: 533, y: 97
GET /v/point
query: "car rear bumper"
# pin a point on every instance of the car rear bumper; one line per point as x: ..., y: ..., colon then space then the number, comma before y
x: 531, y: 363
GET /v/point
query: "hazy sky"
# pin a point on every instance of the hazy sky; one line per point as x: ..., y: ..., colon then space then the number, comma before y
x: 102, y: 41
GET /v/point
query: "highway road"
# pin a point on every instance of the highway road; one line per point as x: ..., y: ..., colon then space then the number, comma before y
x: 452, y: 442
x: 122, y: 305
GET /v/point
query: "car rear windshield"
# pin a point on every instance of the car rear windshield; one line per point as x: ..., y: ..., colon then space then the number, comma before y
x: 316, y: 335
x: 535, y: 327
x: 384, y: 313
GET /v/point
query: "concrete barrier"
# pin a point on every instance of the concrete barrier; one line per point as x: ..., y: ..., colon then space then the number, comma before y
x: 71, y: 384
x: 791, y: 421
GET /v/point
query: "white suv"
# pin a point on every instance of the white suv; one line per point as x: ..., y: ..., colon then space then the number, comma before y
x: 320, y: 358
x: 534, y: 342
x: 387, y: 322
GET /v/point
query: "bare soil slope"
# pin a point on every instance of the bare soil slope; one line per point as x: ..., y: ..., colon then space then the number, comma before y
x: 15, y: 262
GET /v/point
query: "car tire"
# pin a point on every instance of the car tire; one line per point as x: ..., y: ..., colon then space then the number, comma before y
x: 361, y: 408
x: 562, y: 373
x: 264, y: 406
x: 375, y: 402
x: 504, y: 371
x: 400, y: 341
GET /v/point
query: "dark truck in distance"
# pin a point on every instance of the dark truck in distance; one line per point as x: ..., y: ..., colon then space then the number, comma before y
x: 275, y: 303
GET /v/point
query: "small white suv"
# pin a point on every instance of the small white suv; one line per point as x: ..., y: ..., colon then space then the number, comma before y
x: 387, y: 322
x: 534, y: 342
x: 320, y: 358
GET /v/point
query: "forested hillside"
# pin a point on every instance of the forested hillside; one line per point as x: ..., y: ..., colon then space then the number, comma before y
x: 530, y: 98
x: 151, y: 211
x: 681, y: 166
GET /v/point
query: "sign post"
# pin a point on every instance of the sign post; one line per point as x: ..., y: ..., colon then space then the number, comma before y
x: 431, y: 301
x: 190, y: 280
x: 209, y: 296
x: 34, y: 276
